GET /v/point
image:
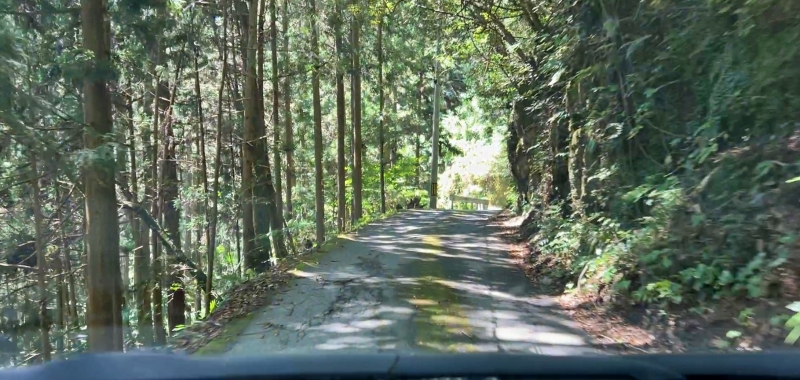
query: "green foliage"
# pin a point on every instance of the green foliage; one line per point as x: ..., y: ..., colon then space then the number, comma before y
x: 793, y: 323
x: 659, y: 141
x: 479, y: 168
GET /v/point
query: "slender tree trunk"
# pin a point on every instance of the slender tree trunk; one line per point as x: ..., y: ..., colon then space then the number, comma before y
x: 318, y: 180
x: 176, y: 296
x: 433, y: 190
x: 237, y: 197
x: 262, y: 200
x: 73, y: 298
x: 156, y: 197
x: 125, y: 271
x: 176, y: 292
x: 141, y: 251
x: 381, y: 116
x: 58, y: 269
x: 203, y: 179
x: 266, y: 185
x: 340, y: 122
x: 357, y: 144
x: 288, y: 133
x: 59, y: 260
x: 418, y: 133
x: 41, y: 259
x: 122, y: 164
x: 256, y: 255
x: 102, y: 228
x: 211, y: 243
x: 276, y: 136
x: 392, y: 123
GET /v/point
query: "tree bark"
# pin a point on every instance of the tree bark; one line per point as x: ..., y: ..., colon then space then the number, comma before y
x: 418, y: 133
x: 381, y: 141
x: 276, y: 136
x: 357, y: 144
x: 176, y: 295
x: 72, y: 296
x: 288, y: 133
x: 203, y: 178
x: 41, y: 259
x: 341, y: 204
x: 62, y: 288
x: 61, y: 296
x: 102, y: 227
x: 257, y: 256
x: 262, y: 199
x: 156, y: 201
x: 212, y: 228
x: 141, y: 250
x: 271, y: 219
x: 319, y: 196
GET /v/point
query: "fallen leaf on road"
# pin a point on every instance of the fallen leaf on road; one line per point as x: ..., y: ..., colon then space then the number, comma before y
x: 245, y: 298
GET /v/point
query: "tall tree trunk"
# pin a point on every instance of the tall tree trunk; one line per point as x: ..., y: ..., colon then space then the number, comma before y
x: 203, y: 178
x: 288, y: 133
x: 340, y: 121
x: 102, y: 227
x: 176, y: 293
x: 245, y: 209
x: 41, y: 259
x: 261, y: 210
x: 157, y: 201
x: 211, y: 243
x: 357, y: 144
x: 141, y: 250
x: 276, y: 136
x: 72, y: 296
x: 418, y: 133
x: 58, y: 269
x: 256, y: 255
x: 433, y: 192
x: 125, y: 260
x: 381, y: 141
x: 176, y: 296
x: 59, y: 260
x: 392, y: 123
x: 273, y: 222
x: 122, y: 164
x: 318, y: 180
x: 245, y: 241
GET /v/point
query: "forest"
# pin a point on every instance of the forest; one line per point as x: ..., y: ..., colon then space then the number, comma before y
x: 649, y: 144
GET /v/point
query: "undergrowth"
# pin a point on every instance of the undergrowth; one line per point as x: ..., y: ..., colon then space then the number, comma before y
x: 655, y: 143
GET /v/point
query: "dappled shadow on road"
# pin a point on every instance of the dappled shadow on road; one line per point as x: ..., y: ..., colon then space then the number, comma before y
x: 422, y: 281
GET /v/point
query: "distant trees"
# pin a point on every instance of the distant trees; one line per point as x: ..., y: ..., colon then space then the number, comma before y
x: 135, y: 152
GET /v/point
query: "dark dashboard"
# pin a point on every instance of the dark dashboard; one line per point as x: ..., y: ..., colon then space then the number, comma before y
x: 471, y: 366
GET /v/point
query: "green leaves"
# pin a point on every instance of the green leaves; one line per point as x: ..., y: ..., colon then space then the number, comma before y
x: 793, y: 323
x: 733, y: 334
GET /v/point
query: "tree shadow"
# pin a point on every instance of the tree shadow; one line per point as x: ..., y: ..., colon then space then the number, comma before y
x: 422, y: 281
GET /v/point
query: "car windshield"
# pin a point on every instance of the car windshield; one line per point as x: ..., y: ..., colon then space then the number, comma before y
x: 232, y: 178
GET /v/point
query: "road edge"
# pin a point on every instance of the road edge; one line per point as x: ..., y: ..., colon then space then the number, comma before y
x: 223, y: 340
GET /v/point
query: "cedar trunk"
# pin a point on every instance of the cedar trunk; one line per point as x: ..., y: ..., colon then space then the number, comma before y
x: 102, y: 228
x: 318, y: 181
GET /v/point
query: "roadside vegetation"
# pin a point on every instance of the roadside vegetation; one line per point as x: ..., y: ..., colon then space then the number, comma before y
x: 158, y: 155
x: 653, y: 146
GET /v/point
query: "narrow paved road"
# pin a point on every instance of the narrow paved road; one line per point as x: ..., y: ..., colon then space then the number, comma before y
x: 422, y: 281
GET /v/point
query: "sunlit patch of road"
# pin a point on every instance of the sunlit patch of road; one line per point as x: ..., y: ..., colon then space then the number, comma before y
x: 422, y: 281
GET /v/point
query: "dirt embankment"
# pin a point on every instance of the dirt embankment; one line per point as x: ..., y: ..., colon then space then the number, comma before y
x: 623, y: 327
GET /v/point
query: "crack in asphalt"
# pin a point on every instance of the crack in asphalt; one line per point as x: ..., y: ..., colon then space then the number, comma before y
x: 387, y: 290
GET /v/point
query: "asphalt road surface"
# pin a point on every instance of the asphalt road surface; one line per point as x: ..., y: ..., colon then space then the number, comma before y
x: 421, y: 281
